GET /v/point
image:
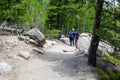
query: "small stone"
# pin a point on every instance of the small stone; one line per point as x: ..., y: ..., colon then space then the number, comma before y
x: 33, y: 42
x: 25, y: 55
x: 5, y: 68
x: 65, y: 51
x: 39, y: 50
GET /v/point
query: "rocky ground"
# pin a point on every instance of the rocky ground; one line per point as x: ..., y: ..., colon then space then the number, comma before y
x: 59, y: 61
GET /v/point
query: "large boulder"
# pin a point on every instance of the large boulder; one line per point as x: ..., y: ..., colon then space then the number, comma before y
x: 36, y: 35
x: 5, y: 68
x: 84, y: 40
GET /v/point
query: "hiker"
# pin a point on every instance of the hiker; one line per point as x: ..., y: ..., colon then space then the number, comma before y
x: 76, y: 35
x: 71, y: 37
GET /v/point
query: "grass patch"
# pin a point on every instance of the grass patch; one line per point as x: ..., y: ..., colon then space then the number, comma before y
x: 112, y: 58
x: 108, y: 75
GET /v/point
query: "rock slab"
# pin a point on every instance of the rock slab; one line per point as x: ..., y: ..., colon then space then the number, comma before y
x: 84, y: 40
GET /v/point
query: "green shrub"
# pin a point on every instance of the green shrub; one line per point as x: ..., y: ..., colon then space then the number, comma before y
x: 113, y: 59
x: 103, y: 75
x: 110, y: 58
x: 109, y: 75
x: 52, y: 33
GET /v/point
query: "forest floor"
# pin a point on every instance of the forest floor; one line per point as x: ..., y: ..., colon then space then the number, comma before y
x: 59, y: 62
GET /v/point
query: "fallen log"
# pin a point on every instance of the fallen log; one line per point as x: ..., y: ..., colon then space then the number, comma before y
x: 4, y: 27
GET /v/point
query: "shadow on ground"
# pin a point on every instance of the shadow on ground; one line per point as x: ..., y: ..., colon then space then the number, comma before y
x: 69, y: 65
x: 74, y: 67
x: 54, y: 56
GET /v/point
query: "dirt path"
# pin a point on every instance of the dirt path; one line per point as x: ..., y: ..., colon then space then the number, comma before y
x: 59, y: 62
x: 56, y: 65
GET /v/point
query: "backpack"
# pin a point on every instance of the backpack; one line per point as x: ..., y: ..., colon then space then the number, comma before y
x: 71, y: 34
x: 76, y: 34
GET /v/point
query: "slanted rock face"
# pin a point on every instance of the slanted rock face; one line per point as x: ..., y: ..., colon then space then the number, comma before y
x: 36, y: 35
x: 5, y: 68
x: 84, y: 40
x: 105, y: 48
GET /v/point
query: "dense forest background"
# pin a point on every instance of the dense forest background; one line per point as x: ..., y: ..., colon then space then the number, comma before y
x: 56, y: 17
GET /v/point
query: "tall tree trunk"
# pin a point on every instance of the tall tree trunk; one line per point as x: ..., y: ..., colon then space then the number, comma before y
x: 95, y: 38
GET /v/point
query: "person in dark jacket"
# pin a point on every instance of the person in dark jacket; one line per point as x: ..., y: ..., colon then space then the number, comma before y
x: 76, y: 36
x: 71, y: 37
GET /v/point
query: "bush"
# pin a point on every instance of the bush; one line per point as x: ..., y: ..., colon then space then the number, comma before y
x: 109, y: 75
x: 52, y: 33
x: 110, y: 58
x: 113, y: 59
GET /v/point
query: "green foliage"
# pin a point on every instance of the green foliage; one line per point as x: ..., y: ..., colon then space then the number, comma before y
x: 109, y: 75
x: 13, y: 9
x: 52, y: 14
x: 70, y: 14
x: 24, y: 13
x: 103, y: 75
x: 37, y: 12
x: 113, y: 59
x: 52, y: 33
x: 90, y: 13
x: 110, y: 28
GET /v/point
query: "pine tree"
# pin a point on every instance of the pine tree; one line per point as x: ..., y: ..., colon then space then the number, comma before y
x: 95, y: 38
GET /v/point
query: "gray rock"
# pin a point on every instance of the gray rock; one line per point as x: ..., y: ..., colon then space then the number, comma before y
x: 25, y: 55
x: 36, y: 35
x: 33, y: 42
x: 65, y: 40
x: 105, y: 48
x: 80, y: 53
x: 84, y: 40
x: 5, y: 68
x: 21, y: 37
x: 39, y: 50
